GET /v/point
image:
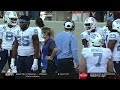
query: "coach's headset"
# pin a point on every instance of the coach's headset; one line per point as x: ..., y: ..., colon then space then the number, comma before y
x: 70, y: 25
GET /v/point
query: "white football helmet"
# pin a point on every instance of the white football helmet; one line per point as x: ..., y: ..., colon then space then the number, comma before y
x: 11, y: 18
x: 116, y: 25
x: 90, y: 24
x: 6, y: 13
x: 95, y: 40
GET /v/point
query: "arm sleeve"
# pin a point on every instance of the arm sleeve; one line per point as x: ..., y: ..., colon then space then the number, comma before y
x: 58, y: 43
x: 83, y: 35
x: 52, y: 45
x: 113, y: 36
x: 40, y: 35
x: 74, y: 49
x: 35, y: 31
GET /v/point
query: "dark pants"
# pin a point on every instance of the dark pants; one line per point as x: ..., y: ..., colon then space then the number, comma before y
x: 117, y: 66
x: 51, y: 67
x: 24, y: 64
x: 3, y: 59
x: 66, y: 65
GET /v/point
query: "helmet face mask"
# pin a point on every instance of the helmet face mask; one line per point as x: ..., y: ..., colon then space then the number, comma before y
x: 13, y: 21
x: 90, y: 24
x: 87, y: 26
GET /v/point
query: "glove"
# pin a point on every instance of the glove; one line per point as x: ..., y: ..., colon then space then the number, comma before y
x: 35, y: 65
x: 12, y: 64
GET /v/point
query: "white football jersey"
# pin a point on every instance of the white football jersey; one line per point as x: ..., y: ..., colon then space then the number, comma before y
x: 7, y: 35
x: 106, y: 32
x: 25, y: 47
x: 40, y: 35
x: 116, y: 51
x: 85, y: 34
x: 97, y: 59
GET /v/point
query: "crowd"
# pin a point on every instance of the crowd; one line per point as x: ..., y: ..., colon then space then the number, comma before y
x: 79, y: 16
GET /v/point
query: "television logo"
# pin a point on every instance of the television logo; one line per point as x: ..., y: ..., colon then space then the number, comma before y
x: 83, y: 75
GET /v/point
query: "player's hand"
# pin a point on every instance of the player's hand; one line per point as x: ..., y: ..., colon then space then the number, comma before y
x: 12, y: 64
x: 48, y: 58
x: 35, y: 65
x: 77, y: 67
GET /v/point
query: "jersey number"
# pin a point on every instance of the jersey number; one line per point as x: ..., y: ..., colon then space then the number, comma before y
x: 23, y: 41
x: 118, y: 48
x: 9, y: 36
x: 99, y: 58
x: 93, y: 36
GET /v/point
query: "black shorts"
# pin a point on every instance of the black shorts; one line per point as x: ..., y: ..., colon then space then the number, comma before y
x: 117, y: 66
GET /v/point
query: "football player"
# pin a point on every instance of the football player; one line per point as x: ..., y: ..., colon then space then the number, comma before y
x: 114, y: 44
x: 95, y: 58
x: 26, y: 45
x: 90, y: 27
x: 7, y: 33
x: 39, y: 25
x: 5, y: 17
x: 107, y: 29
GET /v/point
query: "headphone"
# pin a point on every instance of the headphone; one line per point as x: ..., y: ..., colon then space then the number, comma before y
x: 69, y: 25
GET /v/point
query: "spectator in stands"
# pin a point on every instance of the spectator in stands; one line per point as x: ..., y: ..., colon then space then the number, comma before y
x: 1, y: 14
x: 116, y: 14
x: 76, y: 15
x: 99, y: 15
x: 68, y: 15
x: 33, y: 14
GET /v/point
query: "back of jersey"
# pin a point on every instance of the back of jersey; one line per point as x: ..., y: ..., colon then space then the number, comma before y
x: 96, y: 59
x: 116, y: 50
x: 106, y: 32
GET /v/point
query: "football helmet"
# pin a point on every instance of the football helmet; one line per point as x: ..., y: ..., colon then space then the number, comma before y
x: 95, y: 40
x: 6, y: 13
x: 11, y: 18
x: 116, y: 25
x: 90, y: 24
x: 69, y: 25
